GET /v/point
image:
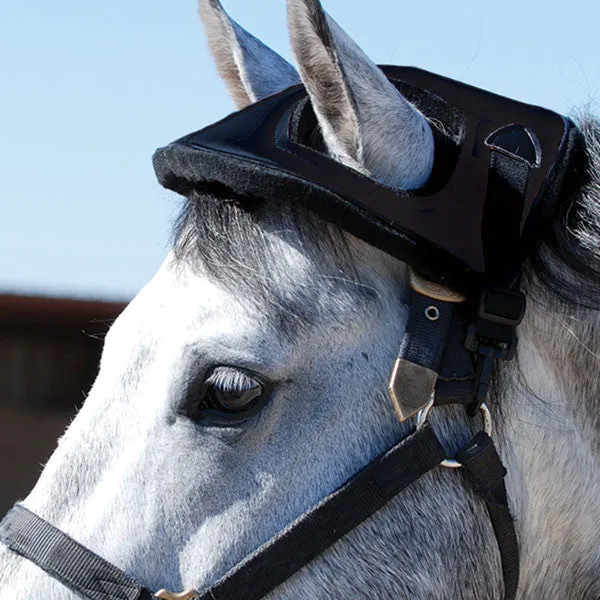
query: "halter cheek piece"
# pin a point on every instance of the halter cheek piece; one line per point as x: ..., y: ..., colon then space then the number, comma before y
x: 496, y: 181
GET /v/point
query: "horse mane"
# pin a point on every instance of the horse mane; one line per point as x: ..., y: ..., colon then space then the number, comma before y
x: 567, y: 260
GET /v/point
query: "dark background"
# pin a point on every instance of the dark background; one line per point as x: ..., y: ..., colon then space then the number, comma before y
x: 49, y: 354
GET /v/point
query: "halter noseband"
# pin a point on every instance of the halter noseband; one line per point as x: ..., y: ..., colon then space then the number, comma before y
x: 497, y: 178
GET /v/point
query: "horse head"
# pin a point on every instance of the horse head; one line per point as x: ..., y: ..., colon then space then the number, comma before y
x: 248, y: 380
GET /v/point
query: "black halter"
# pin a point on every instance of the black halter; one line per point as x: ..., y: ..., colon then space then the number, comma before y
x: 497, y: 177
x: 295, y: 546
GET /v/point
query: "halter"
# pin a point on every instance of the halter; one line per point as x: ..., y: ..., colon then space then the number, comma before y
x: 496, y: 181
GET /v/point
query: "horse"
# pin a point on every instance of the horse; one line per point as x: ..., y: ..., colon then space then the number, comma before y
x: 248, y: 379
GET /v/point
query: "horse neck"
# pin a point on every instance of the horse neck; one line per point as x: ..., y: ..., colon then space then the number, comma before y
x: 550, y: 429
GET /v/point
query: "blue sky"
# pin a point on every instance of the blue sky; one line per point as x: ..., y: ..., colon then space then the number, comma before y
x: 90, y: 89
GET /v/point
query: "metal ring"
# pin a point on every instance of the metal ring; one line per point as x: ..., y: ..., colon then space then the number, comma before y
x: 432, y: 313
x: 452, y: 463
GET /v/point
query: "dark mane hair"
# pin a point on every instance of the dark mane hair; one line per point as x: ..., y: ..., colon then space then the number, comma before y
x: 231, y: 238
x: 567, y: 261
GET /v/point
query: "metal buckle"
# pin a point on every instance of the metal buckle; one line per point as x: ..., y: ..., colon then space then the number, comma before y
x: 451, y: 463
x: 431, y: 289
x: 411, y: 384
x: 166, y: 595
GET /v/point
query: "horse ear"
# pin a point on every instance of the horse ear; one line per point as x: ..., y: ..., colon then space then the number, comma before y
x: 366, y: 122
x: 250, y: 69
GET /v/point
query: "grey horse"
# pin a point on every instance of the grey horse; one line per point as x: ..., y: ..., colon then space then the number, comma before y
x: 278, y: 305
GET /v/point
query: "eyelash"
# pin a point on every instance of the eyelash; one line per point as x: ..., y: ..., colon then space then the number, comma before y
x: 230, y: 379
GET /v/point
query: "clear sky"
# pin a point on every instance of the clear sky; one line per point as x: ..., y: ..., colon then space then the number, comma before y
x: 90, y: 89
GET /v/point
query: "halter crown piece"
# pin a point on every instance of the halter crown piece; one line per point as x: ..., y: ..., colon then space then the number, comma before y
x: 499, y: 167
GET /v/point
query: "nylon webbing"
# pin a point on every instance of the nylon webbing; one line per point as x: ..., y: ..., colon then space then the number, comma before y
x: 287, y: 552
x: 420, y: 357
x: 484, y: 469
x: 331, y: 519
x: 425, y: 338
x: 503, y: 211
x: 61, y: 556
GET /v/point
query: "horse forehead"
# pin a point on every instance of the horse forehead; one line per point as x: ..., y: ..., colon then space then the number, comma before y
x: 184, y: 305
x: 179, y: 298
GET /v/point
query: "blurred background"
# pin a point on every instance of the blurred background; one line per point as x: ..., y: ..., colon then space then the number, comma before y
x: 89, y: 90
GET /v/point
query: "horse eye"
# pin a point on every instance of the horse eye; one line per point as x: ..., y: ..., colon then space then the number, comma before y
x: 227, y: 395
x: 231, y: 400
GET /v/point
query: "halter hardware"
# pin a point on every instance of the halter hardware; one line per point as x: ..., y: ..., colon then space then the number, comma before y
x: 166, y: 595
x: 412, y: 384
x: 493, y: 336
x: 432, y: 289
x: 486, y: 415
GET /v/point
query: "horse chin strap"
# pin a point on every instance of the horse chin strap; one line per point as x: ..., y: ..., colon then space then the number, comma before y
x: 449, y: 360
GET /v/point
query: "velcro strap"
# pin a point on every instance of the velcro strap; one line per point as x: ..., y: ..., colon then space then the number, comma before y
x: 503, y: 211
